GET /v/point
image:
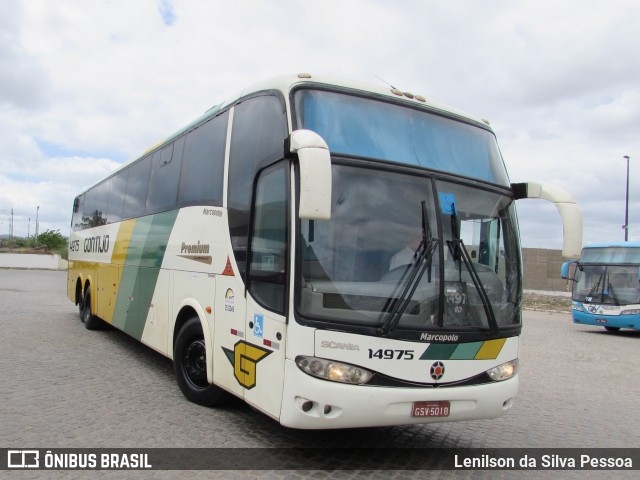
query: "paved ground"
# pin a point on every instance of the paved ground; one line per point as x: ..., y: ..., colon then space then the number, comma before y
x: 65, y: 386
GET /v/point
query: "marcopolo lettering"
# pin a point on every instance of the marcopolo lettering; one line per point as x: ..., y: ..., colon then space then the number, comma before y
x: 195, y: 248
x: 429, y: 337
x: 97, y: 244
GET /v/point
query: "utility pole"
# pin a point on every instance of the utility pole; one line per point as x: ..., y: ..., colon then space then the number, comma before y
x: 37, y: 211
x: 626, y: 206
x: 11, y: 233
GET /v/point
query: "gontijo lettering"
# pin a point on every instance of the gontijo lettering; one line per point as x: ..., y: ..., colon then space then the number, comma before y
x: 97, y: 244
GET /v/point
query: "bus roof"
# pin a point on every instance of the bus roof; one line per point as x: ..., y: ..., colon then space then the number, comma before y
x: 285, y: 83
x: 613, y: 244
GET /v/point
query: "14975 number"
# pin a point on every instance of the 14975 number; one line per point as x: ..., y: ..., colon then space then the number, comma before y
x: 389, y: 354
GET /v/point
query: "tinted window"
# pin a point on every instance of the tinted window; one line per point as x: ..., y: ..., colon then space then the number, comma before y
x: 137, y: 183
x: 89, y: 208
x: 203, y: 162
x: 259, y: 130
x: 101, y: 205
x: 76, y: 219
x: 116, y: 196
x: 268, y: 272
x: 257, y: 140
x: 165, y: 177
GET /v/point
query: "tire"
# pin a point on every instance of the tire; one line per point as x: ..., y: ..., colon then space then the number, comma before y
x: 190, y: 366
x: 612, y: 329
x: 91, y: 322
x: 81, y: 309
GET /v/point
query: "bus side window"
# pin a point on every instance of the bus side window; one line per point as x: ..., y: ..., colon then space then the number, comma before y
x: 203, y: 163
x: 137, y: 183
x: 268, y: 256
x: 78, y: 210
x: 257, y: 140
x: 165, y: 176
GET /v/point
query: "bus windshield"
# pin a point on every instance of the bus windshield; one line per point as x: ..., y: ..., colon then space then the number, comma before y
x: 356, y: 267
x: 358, y: 126
x: 607, y: 284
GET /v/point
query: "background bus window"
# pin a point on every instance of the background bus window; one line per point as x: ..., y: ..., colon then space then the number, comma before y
x: 203, y: 163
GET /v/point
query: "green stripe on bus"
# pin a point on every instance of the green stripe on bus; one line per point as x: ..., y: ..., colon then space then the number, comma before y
x: 466, y: 351
x: 486, y: 350
x: 438, y: 351
x: 140, y: 272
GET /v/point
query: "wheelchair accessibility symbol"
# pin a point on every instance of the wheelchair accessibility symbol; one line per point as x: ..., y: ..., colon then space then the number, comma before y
x: 258, y: 325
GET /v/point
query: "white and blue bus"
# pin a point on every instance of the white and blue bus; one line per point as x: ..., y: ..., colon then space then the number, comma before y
x: 335, y: 254
x: 606, y: 285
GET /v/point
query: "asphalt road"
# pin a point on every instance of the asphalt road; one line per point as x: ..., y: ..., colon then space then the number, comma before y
x: 66, y: 387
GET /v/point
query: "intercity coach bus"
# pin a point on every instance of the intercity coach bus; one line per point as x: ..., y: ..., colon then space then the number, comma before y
x: 337, y: 255
x: 606, y: 285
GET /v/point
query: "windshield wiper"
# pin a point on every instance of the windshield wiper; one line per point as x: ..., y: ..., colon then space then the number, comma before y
x: 588, y: 297
x: 413, y: 274
x: 459, y: 251
x: 611, y: 293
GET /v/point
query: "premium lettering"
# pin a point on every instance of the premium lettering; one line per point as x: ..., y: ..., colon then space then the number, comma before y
x: 195, y: 248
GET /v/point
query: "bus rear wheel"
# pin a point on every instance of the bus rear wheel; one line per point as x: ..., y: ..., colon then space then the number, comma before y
x: 190, y: 366
x: 91, y: 322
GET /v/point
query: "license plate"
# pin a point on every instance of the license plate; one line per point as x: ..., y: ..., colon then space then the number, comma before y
x: 431, y: 409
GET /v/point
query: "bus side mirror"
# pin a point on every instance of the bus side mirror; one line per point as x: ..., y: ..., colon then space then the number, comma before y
x: 564, y: 270
x: 566, y: 205
x: 314, y: 162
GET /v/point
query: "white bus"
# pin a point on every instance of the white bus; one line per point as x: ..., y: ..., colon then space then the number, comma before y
x: 337, y: 255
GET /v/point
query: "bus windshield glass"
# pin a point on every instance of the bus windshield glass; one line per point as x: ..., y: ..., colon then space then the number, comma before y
x: 370, y: 128
x: 607, y: 284
x: 359, y: 267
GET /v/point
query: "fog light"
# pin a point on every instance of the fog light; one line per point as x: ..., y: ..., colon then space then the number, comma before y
x: 333, y: 371
x: 504, y: 371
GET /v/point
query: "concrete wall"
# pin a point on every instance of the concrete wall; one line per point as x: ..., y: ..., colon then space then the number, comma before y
x: 542, y: 269
x: 30, y: 260
x: 541, y: 266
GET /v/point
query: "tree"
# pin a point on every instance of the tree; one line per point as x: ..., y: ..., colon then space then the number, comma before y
x: 53, y: 240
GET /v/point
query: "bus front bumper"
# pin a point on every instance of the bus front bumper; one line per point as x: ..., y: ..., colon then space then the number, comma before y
x: 312, y: 403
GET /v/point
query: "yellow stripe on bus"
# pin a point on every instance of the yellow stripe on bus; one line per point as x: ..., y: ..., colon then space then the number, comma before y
x: 110, y: 275
x: 490, y: 349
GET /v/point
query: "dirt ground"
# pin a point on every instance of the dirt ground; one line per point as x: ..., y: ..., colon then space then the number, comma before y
x: 547, y: 303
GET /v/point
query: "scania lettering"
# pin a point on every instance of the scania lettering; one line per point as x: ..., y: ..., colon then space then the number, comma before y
x: 329, y: 252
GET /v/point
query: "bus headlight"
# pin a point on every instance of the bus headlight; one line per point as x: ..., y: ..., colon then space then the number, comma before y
x: 635, y: 311
x: 333, y: 371
x: 578, y: 307
x: 504, y: 371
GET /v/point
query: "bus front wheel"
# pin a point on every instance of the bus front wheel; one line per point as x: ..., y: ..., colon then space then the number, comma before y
x: 190, y: 366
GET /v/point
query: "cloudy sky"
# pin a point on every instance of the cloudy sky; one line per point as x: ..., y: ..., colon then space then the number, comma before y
x: 87, y: 85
